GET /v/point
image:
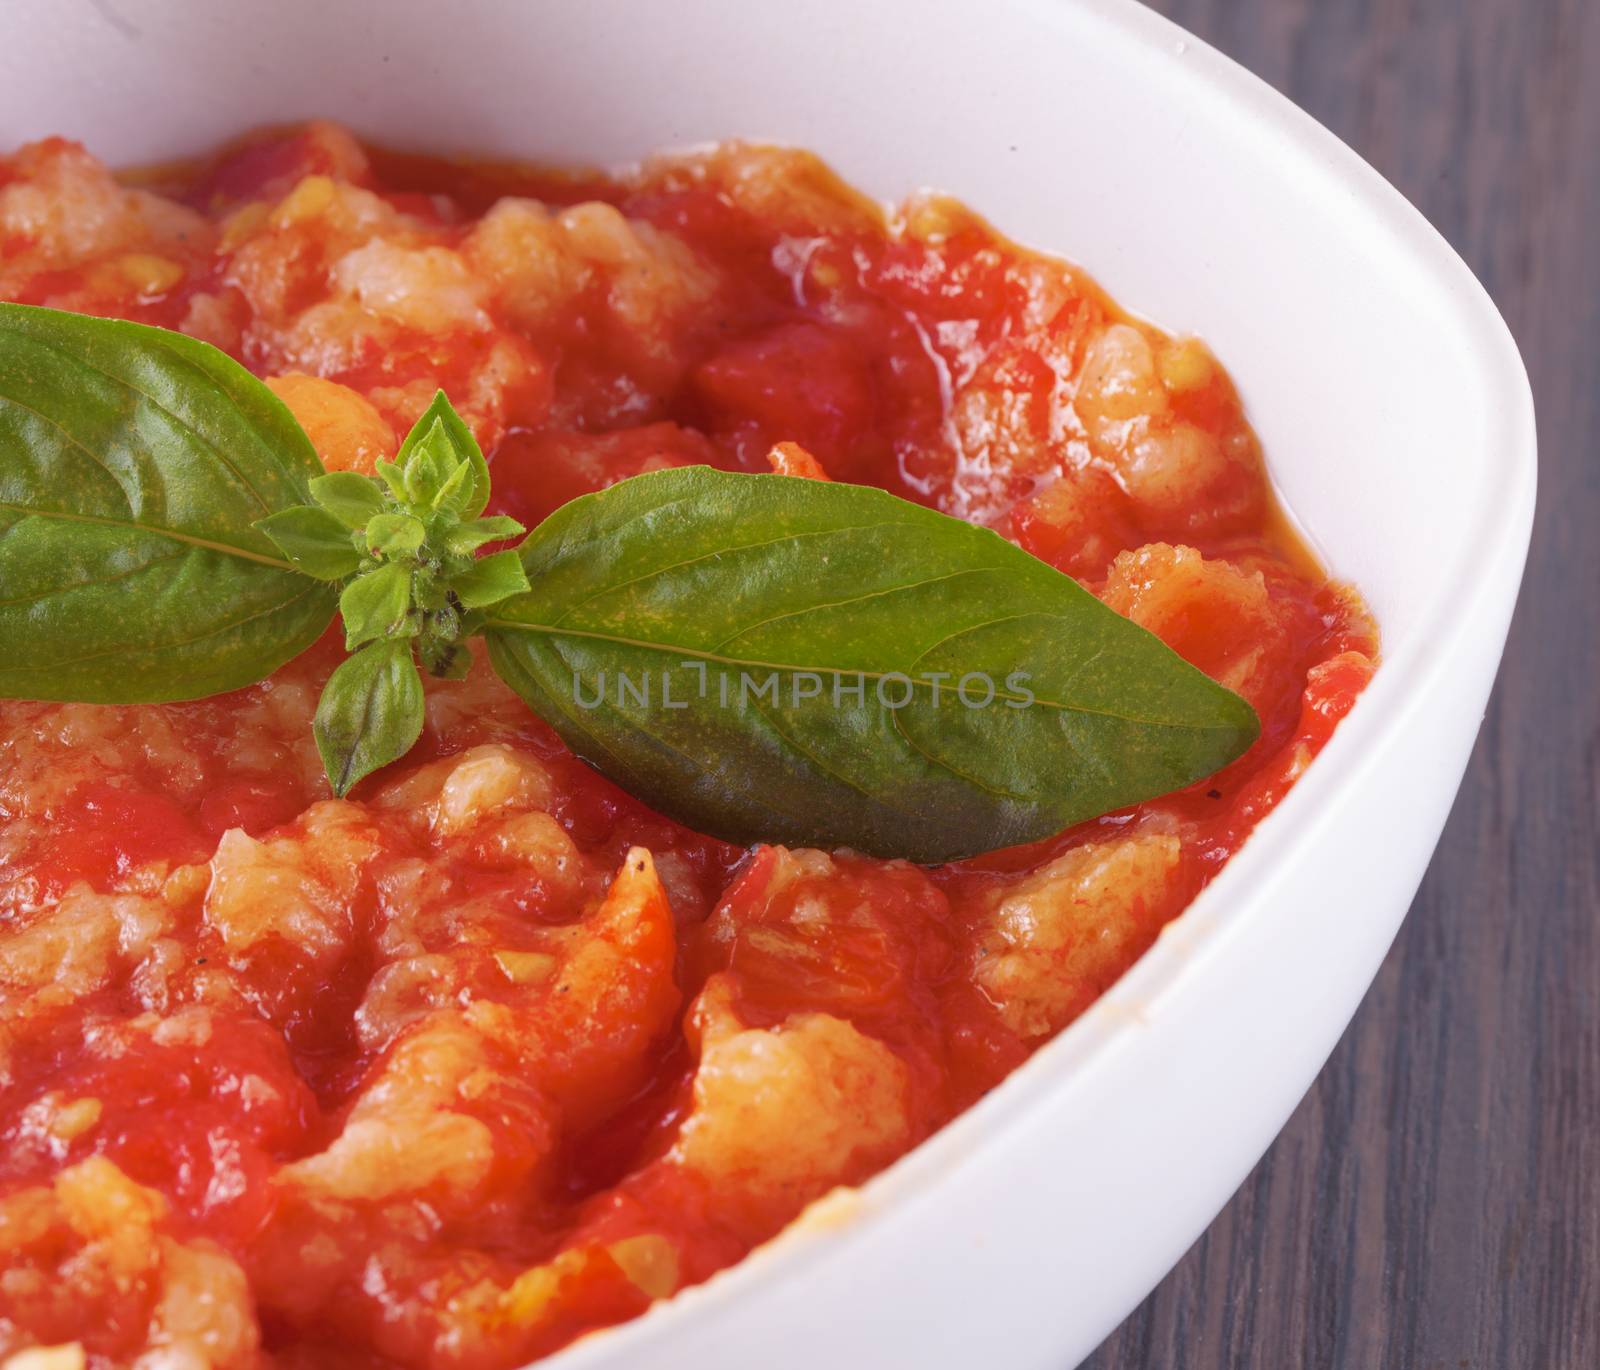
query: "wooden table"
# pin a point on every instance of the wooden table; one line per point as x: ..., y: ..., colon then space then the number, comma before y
x: 1435, y: 1202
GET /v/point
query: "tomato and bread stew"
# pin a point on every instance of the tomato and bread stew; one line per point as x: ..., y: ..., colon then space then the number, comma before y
x: 550, y: 721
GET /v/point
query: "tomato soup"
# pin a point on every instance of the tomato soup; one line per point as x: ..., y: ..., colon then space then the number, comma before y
x: 489, y: 1054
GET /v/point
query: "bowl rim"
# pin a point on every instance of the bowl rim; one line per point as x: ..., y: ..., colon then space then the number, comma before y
x: 1403, y: 683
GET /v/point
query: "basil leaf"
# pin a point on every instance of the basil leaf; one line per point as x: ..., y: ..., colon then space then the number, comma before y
x: 349, y: 496
x: 393, y: 477
x: 376, y: 604
x: 456, y: 490
x: 489, y: 580
x: 807, y: 590
x: 468, y: 537
x: 315, y: 542
x: 370, y: 713
x: 134, y: 463
x: 395, y: 534
x: 444, y: 433
x: 429, y: 468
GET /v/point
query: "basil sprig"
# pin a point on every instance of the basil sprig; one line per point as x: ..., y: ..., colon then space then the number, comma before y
x: 402, y: 547
x: 762, y: 657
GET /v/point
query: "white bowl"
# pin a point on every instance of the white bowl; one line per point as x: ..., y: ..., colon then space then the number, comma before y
x: 1396, y: 418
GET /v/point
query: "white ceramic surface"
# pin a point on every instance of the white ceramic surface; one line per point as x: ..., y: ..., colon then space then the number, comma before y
x: 1396, y: 417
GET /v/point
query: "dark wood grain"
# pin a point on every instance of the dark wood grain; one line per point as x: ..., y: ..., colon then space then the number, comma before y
x: 1435, y: 1202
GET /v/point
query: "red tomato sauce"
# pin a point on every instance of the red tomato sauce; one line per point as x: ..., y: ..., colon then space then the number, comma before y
x: 492, y: 1055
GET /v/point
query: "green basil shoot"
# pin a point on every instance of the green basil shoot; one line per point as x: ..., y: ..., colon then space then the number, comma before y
x: 402, y: 548
x: 762, y: 657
